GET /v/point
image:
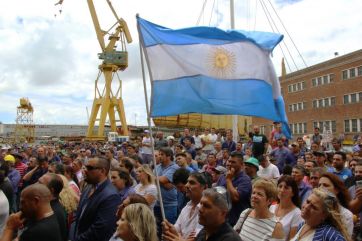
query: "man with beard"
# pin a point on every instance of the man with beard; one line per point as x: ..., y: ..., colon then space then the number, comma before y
x: 95, y: 218
x: 339, y: 169
x: 36, y: 215
x: 355, y: 191
x: 260, y: 142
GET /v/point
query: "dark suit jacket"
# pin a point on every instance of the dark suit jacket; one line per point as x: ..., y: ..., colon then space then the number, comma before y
x: 97, y: 222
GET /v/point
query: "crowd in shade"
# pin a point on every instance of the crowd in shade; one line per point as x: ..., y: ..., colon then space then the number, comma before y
x: 196, y: 185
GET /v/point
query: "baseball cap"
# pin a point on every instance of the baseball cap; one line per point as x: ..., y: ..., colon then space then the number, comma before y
x: 253, y: 161
x: 9, y: 158
x: 220, y: 169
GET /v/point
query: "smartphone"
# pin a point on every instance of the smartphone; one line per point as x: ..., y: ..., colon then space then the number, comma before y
x: 359, y: 184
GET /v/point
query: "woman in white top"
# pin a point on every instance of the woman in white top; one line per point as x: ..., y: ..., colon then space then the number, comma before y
x: 286, y: 210
x: 335, y: 185
x: 259, y: 224
x: 146, y: 186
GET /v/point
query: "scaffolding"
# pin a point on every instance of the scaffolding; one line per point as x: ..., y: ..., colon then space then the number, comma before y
x: 24, y: 128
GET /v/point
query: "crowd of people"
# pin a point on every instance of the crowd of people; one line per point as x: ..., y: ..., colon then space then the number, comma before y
x: 196, y: 186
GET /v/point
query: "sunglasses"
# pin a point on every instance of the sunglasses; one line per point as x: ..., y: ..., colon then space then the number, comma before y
x: 90, y: 168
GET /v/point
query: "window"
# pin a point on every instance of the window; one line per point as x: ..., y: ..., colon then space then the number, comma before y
x: 352, y: 73
x: 326, y: 102
x: 331, y: 78
x: 354, y: 125
x: 300, y: 106
x: 295, y: 107
x: 344, y: 74
x: 304, y: 85
x: 326, y: 125
x: 289, y: 88
x: 294, y: 88
x: 346, y: 126
x: 319, y: 80
x: 325, y: 79
x: 290, y: 108
x: 345, y: 99
x: 314, y: 82
x: 320, y: 103
x: 359, y: 70
x: 333, y: 101
x: 305, y: 128
x: 299, y: 86
x: 353, y: 98
x: 314, y: 103
x: 360, y: 96
x: 305, y: 105
x: 334, y: 127
x: 315, y: 124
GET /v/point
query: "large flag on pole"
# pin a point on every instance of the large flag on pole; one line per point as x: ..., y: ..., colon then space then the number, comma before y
x: 211, y: 71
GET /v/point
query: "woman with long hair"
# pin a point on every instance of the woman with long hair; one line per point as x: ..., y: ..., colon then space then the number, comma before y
x: 336, y: 186
x: 287, y: 209
x: 258, y: 223
x: 137, y: 223
x: 322, y: 219
x: 72, y: 179
x: 146, y: 186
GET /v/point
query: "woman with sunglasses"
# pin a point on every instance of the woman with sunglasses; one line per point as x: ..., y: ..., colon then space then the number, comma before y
x: 322, y: 219
x: 146, y: 186
x: 334, y: 184
x: 287, y: 209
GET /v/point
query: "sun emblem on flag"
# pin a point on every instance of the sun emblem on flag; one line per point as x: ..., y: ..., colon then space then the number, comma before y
x: 222, y: 62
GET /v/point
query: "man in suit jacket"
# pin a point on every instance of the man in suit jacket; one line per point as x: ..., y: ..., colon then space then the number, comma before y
x: 96, y: 215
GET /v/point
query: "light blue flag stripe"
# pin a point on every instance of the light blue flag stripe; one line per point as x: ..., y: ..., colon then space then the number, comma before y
x: 155, y: 34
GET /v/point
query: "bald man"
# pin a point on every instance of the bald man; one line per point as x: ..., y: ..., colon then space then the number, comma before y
x: 36, y: 215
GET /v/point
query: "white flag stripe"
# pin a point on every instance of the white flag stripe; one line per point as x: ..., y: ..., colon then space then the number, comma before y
x: 241, y: 60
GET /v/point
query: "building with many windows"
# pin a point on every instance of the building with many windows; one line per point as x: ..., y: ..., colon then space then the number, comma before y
x: 327, y: 95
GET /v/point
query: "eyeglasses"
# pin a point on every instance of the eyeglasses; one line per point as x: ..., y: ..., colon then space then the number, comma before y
x: 90, y: 168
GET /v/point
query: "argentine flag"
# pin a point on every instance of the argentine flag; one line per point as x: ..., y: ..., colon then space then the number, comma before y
x: 211, y: 71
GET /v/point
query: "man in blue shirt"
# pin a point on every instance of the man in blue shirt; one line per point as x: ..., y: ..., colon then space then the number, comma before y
x: 165, y: 171
x: 339, y: 169
x: 283, y: 156
x: 238, y: 184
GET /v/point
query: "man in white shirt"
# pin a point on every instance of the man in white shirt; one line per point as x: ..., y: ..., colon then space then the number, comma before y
x: 187, y: 224
x: 267, y: 170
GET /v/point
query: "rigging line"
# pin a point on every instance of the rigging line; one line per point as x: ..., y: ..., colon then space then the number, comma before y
x: 288, y: 34
x: 201, y: 13
x: 212, y: 11
x: 256, y: 8
x: 267, y: 17
x: 276, y: 27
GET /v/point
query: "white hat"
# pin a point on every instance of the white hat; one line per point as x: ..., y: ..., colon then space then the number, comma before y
x: 170, y: 138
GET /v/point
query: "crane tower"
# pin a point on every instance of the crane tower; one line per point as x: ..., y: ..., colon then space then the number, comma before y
x: 106, y: 102
x: 24, y: 128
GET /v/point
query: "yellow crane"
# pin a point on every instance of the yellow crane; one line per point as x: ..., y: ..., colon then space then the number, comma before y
x: 106, y: 102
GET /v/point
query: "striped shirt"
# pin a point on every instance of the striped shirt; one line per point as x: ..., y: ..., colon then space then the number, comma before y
x: 21, y: 168
x: 255, y: 229
x: 324, y: 232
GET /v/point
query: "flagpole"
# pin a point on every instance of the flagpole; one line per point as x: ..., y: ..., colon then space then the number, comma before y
x: 235, y: 117
x: 149, y: 125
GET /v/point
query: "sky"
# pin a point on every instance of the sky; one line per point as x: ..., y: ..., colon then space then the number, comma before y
x: 49, y: 53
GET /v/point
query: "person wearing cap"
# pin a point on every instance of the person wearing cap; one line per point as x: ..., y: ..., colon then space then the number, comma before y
x: 238, y: 184
x: 171, y: 142
x: 267, y: 170
x: 13, y: 175
x: 217, y: 172
x: 305, y: 190
x: 251, y: 169
x: 214, y: 207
